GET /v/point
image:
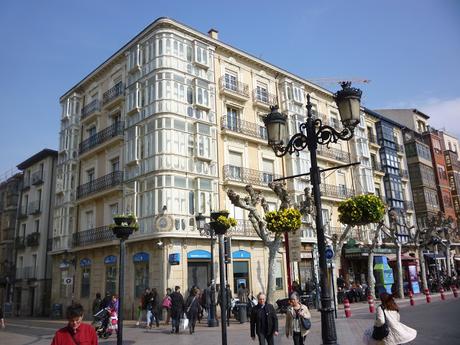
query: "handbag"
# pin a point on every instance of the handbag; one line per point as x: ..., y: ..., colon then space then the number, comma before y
x: 304, y: 322
x: 381, y: 332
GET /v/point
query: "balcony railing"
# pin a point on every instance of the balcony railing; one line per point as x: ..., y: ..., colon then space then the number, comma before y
x: 237, y: 87
x: 23, y: 211
x: 339, y: 192
x: 244, y: 127
x: 20, y: 242
x: 112, y: 93
x: 248, y: 176
x: 37, y: 177
x: 26, y: 184
x: 403, y: 173
x: 372, y: 138
x: 33, y: 239
x: 399, y: 148
x: 333, y: 153
x: 408, y: 205
x: 264, y: 98
x: 28, y: 272
x: 243, y: 228
x: 92, y: 236
x: 34, y: 207
x: 108, y: 181
x: 90, y: 108
x: 377, y: 166
x: 107, y: 133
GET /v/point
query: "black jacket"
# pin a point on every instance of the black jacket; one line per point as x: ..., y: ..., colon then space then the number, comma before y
x: 263, y: 316
x: 177, y: 304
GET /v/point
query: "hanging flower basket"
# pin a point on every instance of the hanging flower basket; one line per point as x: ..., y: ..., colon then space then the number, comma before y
x: 221, y: 222
x: 361, y: 210
x: 124, y: 219
x: 222, y: 213
x: 124, y: 226
x: 286, y: 220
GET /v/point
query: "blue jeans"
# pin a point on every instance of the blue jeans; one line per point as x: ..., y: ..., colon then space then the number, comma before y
x: 152, y: 316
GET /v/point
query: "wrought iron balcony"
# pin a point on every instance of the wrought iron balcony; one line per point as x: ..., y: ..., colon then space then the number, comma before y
x: 403, y: 173
x: 90, y: 108
x: 26, y: 184
x: 112, y: 93
x: 35, y: 207
x: 408, y: 205
x: 33, y: 239
x: 248, y: 176
x: 244, y: 127
x: 92, y: 236
x: 236, y: 87
x: 265, y: 98
x: 333, y: 153
x: 376, y: 166
x: 243, y: 228
x: 339, y: 192
x: 37, y: 177
x: 372, y: 138
x: 108, y: 181
x: 23, y: 211
x: 102, y: 136
x: 28, y: 272
x: 20, y: 242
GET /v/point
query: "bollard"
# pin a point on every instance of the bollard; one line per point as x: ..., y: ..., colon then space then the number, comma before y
x: 428, y: 297
x: 454, y: 290
x: 411, y: 298
x: 443, y: 296
x: 346, y: 305
x: 370, y: 300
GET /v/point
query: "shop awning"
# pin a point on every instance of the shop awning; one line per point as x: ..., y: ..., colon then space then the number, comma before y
x: 392, y: 257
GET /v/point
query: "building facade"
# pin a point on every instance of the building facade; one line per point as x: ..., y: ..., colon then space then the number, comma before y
x: 32, y: 287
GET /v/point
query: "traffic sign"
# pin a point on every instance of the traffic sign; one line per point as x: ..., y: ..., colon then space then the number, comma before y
x: 68, y: 281
x: 329, y: 253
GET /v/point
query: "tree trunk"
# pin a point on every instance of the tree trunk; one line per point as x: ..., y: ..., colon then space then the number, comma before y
x: 370, y: 273
x: 271, y: 284
x: 448, y: 262
x: 422, y: 268
x: 400, y: 271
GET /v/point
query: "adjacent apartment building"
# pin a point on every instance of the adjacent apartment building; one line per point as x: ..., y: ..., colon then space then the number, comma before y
x: 32, y: 287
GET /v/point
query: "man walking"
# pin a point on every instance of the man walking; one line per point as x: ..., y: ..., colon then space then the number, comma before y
x: 177, y: 309
x: 264, y: 321
x: 75, y: 332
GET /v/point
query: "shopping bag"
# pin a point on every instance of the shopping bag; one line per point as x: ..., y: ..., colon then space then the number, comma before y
x: 184, y: 323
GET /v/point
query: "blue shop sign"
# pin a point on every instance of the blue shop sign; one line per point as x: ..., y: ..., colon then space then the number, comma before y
x: 241, y: 254
x: 141, y: 257
x: 110, y: 260
x: 199, y: 254
x: 85, y: 262
x: 174, y: 259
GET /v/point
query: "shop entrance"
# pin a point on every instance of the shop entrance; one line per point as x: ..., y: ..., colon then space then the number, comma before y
x: 199, y: 274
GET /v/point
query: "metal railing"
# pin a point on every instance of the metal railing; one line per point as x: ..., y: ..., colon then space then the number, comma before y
x: 377, y: 166
x: 102, y: 136
x: 243, y: 228
x: 264, y: 97
x: 338, y: 192
x: 20, y: 242
x: 91, y: 236
x: 235, y: 87
x: 23, y: 211
x: 248, y: 176
x: 372, y: 138
x: 37, y: 177
x: 26, y: 183
x: 102, y: 183
x: 244, y: 127
x: 34, y: 207
x: 33, y: 239
x: 399, y: 148
x: 28, y: 272
x: 90, y: 108
x: 408, y: 205
x: 112, y: 93
x: 403, y: 173
x: 333, y: 153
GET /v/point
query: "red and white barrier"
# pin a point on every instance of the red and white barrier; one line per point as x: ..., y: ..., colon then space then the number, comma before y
x: 346, y: 306
x: 428, y: 297
x: 370, y: 300
x: 443, y: 296
x: 411, y: 298
x: 454, y: 290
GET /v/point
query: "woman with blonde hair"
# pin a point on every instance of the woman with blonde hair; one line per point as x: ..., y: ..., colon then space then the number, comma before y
x: 398, y: 333
x: 297, y: 317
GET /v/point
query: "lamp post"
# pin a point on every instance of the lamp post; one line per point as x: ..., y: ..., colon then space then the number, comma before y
x: 206, y: 230
x: 122, y: 229
x: 311, y: 134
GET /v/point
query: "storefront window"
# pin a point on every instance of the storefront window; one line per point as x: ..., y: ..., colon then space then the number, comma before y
x: 110, y: 274
x: 278, y: 275
x: 85, y: 265
x: 141, y: 273
x: 240, y: 274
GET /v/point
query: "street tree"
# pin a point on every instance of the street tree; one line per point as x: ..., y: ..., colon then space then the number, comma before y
x: 269, y: 226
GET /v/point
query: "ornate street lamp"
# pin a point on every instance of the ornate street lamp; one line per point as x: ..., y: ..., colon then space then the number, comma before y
x: 206, y: 230
x: 311, y: 134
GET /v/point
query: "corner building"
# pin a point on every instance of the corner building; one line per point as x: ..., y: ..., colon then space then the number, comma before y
x: 163, y: 129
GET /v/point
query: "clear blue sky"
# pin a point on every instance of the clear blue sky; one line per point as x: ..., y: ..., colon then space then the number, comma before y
x: 410, y: 50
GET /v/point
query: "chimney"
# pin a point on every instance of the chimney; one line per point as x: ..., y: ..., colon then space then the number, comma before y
x: 213, y: 33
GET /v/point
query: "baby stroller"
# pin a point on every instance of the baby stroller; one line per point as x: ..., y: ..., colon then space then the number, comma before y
x: 105, y: 322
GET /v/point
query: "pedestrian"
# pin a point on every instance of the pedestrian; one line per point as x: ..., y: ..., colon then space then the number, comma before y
x: 2, y: 318
x: 264, y: 321
x: 143, y: 307
x: 193, y: 307
x: 106, y: 300
x: 242, y: 293
x: 75, y: 332
x: 97, y: 303
x: 166, y: 304
x: 294, y: 326
x: 388, y: 312
x: 228, y: 301
x: 151, y: 298
x: 156, y: 307
x: 114, y: 303
x: 177, y: 309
